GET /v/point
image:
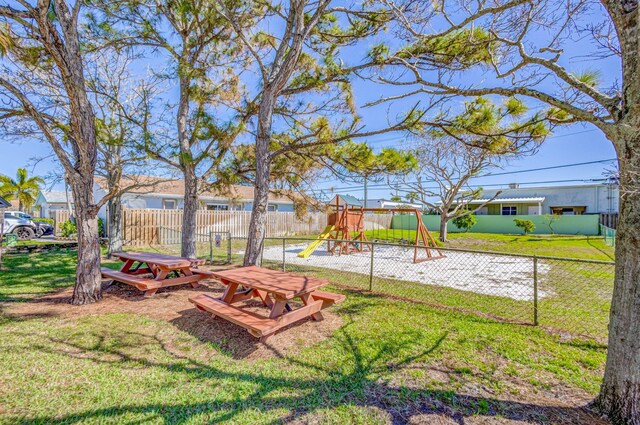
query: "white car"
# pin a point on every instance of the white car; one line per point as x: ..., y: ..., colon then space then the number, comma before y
x: 19, y: 224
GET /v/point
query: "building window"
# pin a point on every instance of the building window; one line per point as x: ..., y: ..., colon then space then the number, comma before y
x: 272, y: 208
x: 218, y: 207
x: 169, y: 204
x: 568, y: 210
x: 509, y: 210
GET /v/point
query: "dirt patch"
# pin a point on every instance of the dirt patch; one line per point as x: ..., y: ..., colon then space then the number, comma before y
x: 172, y: 305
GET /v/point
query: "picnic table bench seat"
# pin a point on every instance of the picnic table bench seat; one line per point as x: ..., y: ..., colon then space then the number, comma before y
x: 141, y: 283
x: 328, y: 298
x: 257, y: 325
x: 203, y: 272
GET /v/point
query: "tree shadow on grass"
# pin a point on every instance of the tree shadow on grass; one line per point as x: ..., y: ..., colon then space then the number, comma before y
x: 608, y: 255
x: 363, y: 379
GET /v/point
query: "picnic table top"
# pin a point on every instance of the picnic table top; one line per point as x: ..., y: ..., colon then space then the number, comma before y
x: 165, y: 260
x: 283, y: 284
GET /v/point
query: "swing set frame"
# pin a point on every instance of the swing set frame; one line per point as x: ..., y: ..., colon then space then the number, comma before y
x: 348, y: 234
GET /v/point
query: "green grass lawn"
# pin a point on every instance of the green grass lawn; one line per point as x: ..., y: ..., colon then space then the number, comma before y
x: 387, y: 361
x: 569, y: 246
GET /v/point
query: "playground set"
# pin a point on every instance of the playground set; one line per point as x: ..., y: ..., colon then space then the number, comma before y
x: 345, y: 231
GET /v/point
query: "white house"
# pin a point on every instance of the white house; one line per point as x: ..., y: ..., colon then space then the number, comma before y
x: 564, y: 200
x: 390, y: 205
x: 49, y: 201
x: 159, y: 193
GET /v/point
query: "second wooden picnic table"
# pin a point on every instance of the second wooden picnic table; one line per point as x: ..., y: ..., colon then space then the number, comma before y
x: 167, y: 270
x: 275, y: 289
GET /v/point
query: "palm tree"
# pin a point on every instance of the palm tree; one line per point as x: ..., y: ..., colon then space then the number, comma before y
x: 23, y: 188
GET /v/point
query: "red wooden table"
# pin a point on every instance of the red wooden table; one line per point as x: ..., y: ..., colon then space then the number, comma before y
x: 274, y: 289
x: 161, y: 266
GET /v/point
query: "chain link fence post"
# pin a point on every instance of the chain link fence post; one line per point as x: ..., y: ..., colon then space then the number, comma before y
x: 283, y: 254
x: 210, y: 247
x: 371, y: 270
x: 535, y: 290
x: 261, y: 252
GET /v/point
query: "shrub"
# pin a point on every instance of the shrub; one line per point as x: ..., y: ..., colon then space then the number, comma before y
x: 465, y: 222
x: 101, y: 228
x: 68, y: 229
x: 527, y: 226
x: 550, y: 219
x: 44, y: 220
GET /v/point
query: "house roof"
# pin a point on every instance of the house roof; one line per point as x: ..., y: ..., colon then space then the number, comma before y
x: 389, y: 203
x: 4, y: 203
x: 175, y: 187
x: 55, y: 196
x: 604, y: 183
x: 531, y: 200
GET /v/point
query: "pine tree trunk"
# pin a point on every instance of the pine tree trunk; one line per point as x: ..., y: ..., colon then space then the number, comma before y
x: 443, y: 228
x: 620, y: 391
x: 88, y: 288
x: 189, y: 213
x: 258, y: 223
x: 115, y: 225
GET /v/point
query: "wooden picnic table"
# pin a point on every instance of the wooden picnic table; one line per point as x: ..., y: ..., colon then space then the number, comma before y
x: 166, y: 270
x: 275, y: 289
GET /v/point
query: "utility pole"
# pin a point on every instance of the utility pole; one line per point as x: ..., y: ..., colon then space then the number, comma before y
x: 365, y: 191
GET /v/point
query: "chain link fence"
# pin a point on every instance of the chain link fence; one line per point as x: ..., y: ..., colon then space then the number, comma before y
x: 609, y: 235
x: 567, y: 296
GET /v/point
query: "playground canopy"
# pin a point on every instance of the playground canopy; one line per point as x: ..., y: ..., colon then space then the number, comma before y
x: 346, y: 200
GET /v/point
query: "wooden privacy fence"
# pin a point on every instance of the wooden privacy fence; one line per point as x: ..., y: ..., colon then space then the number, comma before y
x: 163, y: 227
x: 59, y: 217
x: 609, y: 220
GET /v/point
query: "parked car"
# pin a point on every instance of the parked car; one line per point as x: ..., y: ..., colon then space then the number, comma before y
x: 20, y: 224
x: 43, y: 229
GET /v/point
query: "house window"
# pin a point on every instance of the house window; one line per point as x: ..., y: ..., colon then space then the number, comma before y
x: 509, y: 210
x: 169, y: 204
x: 483, y: 211
x: 218, y: 207
x: 272, y: 208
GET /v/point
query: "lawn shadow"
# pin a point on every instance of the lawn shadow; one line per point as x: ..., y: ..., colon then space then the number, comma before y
x: 611, y: 257
x: 236, y: 342
x: 364, y: 382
